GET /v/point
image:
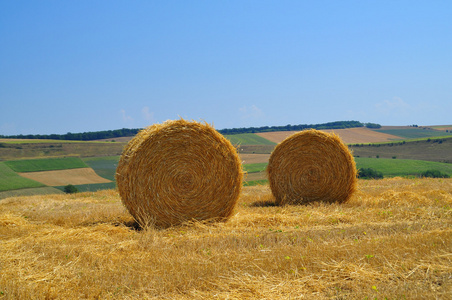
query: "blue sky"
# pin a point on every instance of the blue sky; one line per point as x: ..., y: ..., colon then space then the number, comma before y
x: 75, y: 66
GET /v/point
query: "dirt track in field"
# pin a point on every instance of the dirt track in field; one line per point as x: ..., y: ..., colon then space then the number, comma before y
x: 64, y: 177
x: 358, y: 135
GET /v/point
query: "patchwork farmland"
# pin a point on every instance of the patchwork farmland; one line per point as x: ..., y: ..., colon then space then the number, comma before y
x: 31, y: 164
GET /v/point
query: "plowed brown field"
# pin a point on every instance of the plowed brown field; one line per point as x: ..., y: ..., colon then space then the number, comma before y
x: 358, y: 135
x: 254, y: 158
x: 64, y: 177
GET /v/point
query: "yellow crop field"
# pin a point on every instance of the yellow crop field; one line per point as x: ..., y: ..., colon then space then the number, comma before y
x: 391, y: 240
x: 350, y: 135
x: 64, y: 177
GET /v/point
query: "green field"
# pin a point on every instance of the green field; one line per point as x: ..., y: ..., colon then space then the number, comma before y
x: 256, y: 182
x: 248, y: 139
x: 10, y: 180
x: 414, y: 133
x: 252, y: 168
x: 91, y: 187
x: 402, y: 167
x: 104, y: 166
x: 45, y: 164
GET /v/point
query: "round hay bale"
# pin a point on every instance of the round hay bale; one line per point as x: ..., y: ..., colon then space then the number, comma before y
x: 179, y: 171
x: 309, y: 166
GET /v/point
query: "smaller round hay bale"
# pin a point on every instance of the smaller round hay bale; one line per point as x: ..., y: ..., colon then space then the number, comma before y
x: 310, y: 166
x: 179, y: 171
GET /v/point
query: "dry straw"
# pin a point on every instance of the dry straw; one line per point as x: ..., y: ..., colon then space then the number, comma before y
x: 179, y: 171
x: 309, y: 166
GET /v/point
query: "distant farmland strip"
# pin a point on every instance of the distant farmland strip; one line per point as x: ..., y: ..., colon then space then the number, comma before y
x: 31, y: 150
x: 64, y: 177
x: 248, y: 139
x: 431, y: 149
x: 402, y: 167
x: 45, y: 164
x: 413, y: 133
x: 10, y: 180
x: 389, y: 167
x: 103, y: 166
x: 92, y: 187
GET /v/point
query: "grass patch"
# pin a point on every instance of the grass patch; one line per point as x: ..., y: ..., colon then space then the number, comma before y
x: 255, y: 182
x: 402, y: 167
x: 45, y: 164
x: 252, y: 168
x: 103, y: 166
x: 10, y: 180
x: 248, y: 139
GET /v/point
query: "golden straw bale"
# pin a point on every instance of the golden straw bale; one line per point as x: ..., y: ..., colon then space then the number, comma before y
x: 309, y: 166
x: 179, y: 171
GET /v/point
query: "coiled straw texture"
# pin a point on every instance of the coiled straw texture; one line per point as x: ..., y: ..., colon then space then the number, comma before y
x: 179, y: 171
x: 310, y: 166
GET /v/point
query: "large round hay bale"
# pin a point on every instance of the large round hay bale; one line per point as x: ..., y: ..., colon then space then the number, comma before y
x: 309, y: 166
x: 179, y: 171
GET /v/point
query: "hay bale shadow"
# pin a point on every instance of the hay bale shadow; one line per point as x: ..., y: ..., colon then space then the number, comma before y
x: 267, y: 203
x: 131, y: 224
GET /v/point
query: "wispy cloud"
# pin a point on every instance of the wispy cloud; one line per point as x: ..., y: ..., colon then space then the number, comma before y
x: 125, y: 118
x: 394, y: 106
x: 147, y: 115
x: 250, y: 113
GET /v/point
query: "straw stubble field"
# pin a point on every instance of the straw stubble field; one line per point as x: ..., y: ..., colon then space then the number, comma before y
x: 392, y: 239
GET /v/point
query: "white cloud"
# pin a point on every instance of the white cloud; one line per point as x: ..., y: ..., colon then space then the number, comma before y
x: 251, y: 113
x: 125, y: 118
x: 147, y: 115
x: 394, y: 106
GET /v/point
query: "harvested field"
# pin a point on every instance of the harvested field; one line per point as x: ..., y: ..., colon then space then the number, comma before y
x: 255, y: 176
x: 392, y: 240
x: 64, y: 177
x: 360, y: 135
x: 46, y: 190
x: 254, y: 158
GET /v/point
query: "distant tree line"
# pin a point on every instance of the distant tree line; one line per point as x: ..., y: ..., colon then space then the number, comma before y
x: 111, y: 134
x: 85, y: 136
x: 330, y: 125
